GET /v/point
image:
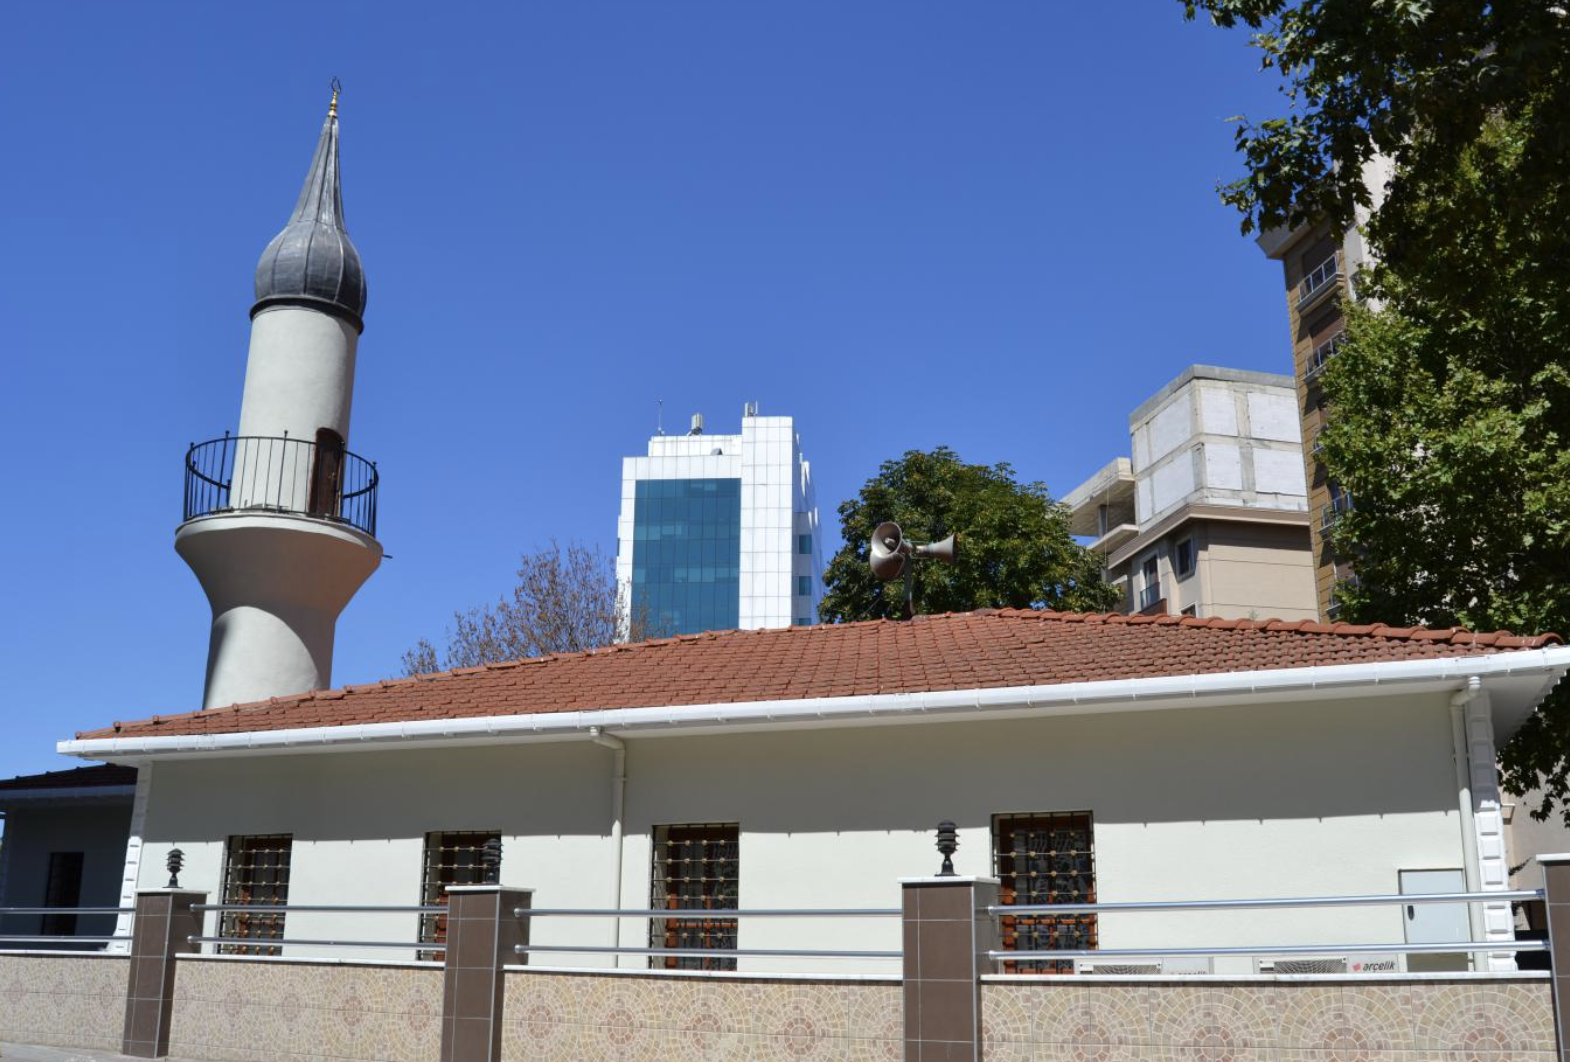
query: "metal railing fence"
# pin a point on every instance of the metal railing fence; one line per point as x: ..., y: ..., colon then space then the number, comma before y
x: 240, y: 473
x: 1005, y: 911
x: 68, y: 941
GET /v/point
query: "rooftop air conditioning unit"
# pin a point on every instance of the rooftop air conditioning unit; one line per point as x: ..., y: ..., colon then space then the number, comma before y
x: 1166, y: 965
x: 1306, y: 964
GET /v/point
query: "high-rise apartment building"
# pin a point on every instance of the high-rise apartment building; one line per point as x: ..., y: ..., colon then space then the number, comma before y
x: 1210, y: 517
x: 1320, y: 265
x: 720, y: 532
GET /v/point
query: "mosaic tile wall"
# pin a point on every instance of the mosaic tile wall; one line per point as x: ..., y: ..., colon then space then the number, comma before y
x: 553, y: 1017
x: 1398, y: 1021
x: 228, y: 1011
x: 63, y: 1001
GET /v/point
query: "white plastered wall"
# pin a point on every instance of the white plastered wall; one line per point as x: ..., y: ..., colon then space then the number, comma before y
x: 1271, y: 800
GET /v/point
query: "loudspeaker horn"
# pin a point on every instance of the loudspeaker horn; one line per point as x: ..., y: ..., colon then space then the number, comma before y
x: 945, y: 551
x: 887, y: 551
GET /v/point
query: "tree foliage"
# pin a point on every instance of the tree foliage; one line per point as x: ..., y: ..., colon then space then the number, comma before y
x: 565, y: 601
x: 1015, y: 547
x: 1450, y: 402
x: 1450, y: 426
x: 1413, y: 81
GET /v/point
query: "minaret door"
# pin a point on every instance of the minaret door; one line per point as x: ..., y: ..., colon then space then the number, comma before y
x: 327, y: 473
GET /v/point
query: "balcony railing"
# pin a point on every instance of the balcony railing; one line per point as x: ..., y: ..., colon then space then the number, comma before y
x: 1322, y: 355
x: 1321, y: 279
x: 253, y: 473
x: 1338, y: 506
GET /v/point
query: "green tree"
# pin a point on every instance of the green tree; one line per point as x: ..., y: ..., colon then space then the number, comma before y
x: 1015, y: 547
x: 1450, y: 402
x: 1411, y: 81
x: 1450, y: 427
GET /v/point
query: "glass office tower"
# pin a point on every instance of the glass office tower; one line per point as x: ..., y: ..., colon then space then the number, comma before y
x: 720, y: 532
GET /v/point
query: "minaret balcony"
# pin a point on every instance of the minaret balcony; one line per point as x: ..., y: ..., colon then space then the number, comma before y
x: 251, y: 473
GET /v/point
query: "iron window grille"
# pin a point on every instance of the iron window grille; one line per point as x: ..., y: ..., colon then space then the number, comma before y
x: 452, y: 857
x: 256, y: 874
x: 62, y: 888
x: 696, y: 867
x: 1150, y: 593
x: 1044, y: 858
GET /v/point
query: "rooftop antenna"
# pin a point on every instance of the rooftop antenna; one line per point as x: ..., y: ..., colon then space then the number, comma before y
x: 891, y: 553
x: 659, y: 416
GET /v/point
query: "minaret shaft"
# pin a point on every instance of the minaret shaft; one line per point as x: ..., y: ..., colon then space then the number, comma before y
x: 289, y: 539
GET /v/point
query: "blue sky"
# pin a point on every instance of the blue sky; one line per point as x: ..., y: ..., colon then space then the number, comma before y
x: 991, y: 226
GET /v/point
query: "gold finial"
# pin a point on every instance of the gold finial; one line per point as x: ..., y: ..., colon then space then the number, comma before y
x: 332, y: 108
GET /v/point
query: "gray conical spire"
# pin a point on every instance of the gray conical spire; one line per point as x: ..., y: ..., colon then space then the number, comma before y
x: 312, y: 261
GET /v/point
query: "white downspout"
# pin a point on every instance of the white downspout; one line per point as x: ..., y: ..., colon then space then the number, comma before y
x: 618, y: 749
x: 1463, y: 765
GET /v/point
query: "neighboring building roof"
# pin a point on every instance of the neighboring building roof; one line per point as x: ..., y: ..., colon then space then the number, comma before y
x: 96, y: 777
x: 956, y: 651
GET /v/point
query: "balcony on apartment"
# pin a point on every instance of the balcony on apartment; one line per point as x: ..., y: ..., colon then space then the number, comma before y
x: 1102, y: 508
x: 1320, y: 284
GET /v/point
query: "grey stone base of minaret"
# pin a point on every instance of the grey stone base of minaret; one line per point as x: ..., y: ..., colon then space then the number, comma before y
x: 1556, y: 894
x: 482, y: 934
x: 161, y: 930
x: 948, y: 933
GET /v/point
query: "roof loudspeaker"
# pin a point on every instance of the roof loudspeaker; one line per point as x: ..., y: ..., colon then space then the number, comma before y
x: 890, y: 553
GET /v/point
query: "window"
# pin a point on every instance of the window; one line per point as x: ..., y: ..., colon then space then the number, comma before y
x: 695, y: 868
x: 62, y: 888
x: 686, y: 554
x: 452, y: 857
x: 1044, y: 859
x: 803, y: 586
x: 1183, y: 558
x: 256, y: 873
x: 803, y: 621
x: 1191, y: 610
x: 804, y: 545
x: 1150, y: 592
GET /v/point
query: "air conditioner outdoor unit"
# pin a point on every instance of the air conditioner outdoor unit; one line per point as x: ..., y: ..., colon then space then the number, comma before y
x: 1165, y: 965
x: 1304, y: 964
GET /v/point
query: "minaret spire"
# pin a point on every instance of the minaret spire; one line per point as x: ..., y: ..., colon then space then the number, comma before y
x: 313, y: 261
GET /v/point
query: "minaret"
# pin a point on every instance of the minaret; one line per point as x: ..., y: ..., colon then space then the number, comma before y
x: 280, y: 519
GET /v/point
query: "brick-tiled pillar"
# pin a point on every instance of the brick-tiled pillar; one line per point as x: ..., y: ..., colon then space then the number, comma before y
x: 164, y: 920
x: 1556, y: 893
x: 481, y: 933
x: 948, y: 933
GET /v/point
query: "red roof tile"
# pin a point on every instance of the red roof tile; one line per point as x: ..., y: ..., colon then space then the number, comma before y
x: 970, y: 650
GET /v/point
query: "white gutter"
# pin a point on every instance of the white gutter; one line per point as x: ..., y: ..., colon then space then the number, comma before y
x: 1063, y: 698
x: 618, y: 749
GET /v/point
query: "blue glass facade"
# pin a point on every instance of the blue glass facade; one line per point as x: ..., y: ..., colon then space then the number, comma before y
x: 686, y: 554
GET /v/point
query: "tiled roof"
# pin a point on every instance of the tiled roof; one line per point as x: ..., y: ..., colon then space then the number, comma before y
x: 100, y: 775
x: 968, y: 650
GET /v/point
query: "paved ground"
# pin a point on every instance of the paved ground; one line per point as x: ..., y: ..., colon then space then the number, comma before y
x: 29, y: 1053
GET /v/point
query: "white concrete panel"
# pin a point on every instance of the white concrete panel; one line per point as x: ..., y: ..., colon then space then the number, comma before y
x: 1279, y: 472
x: 1273, y: 416
x: 1217, y: 411
x: 1170, y: 428
x: 1170, y: 484
x: 1223, y: 466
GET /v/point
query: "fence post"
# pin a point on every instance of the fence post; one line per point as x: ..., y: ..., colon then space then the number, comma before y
x: 947, y: 934
x: 482, y: 931
x: 163, y: 922
x: 1556, y: 896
